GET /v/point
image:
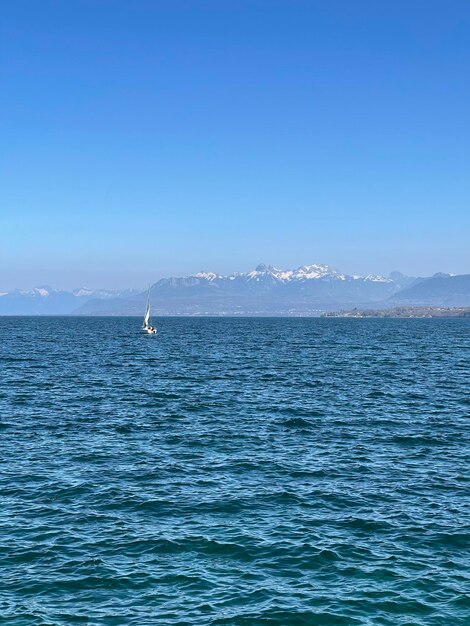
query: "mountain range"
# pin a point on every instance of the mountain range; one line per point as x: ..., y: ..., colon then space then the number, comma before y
x: 267, y: 290
x: 45, y: 300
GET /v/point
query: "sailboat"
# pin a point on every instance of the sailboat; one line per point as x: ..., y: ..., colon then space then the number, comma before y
x: 147, y: 327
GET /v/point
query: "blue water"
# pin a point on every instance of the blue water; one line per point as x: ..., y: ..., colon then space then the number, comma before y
x: 234, y: 472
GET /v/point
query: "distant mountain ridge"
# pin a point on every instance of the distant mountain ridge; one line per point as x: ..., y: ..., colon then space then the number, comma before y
x: 440, y: 289
x: 45, y: 300
x: 266, y: 290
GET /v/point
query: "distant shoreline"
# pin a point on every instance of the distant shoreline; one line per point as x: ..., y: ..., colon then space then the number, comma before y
x: 403, y: 312
x: 394, y: 313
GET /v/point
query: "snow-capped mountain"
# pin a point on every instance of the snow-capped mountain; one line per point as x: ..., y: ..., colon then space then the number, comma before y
x: 266, y: 278
x: 266, y: 290
x: 269, y: 275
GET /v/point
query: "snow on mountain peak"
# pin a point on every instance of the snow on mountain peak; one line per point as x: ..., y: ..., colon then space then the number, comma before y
x: 43, y: 291
x: 82, y: 291
x: 305, y: 272
x: 205, y: 275
x: 272, y: 274
x: 374, y: 278
x: 316, y: 270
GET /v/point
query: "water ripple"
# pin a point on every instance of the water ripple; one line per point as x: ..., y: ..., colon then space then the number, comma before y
x: 234, y: 472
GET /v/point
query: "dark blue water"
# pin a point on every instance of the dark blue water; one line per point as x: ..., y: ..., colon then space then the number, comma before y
x: 234, y: 472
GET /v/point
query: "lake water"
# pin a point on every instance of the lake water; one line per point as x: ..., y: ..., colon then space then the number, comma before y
x: 234, y: 472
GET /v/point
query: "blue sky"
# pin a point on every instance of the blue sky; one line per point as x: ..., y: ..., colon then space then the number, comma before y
x: 144, y: 139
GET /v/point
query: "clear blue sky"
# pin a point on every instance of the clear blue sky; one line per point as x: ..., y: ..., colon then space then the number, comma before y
x: 145, y: 138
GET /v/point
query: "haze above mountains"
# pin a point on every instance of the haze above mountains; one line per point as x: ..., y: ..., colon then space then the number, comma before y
x: 267, y: 290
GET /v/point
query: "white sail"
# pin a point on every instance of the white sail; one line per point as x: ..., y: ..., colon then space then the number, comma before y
x: 147, y: 315
x: 147, y: 326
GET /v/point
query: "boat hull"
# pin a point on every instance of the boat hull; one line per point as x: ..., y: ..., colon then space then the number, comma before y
x: 149, y: 331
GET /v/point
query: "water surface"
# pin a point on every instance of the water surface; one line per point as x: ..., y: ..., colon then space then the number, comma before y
x: 234, y: 472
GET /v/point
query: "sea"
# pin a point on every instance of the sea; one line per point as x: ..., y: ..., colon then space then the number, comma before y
x: 229, y: 472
